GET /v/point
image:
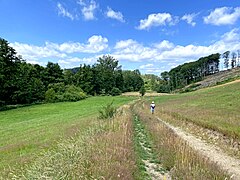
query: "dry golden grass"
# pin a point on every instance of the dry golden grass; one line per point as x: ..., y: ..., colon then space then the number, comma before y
x: 174, y: 153
x: 213, y: 108
x: 105, y: 151
x: 148, y: 94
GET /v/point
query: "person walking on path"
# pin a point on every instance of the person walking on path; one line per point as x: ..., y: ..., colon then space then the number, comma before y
x: 152, y: 106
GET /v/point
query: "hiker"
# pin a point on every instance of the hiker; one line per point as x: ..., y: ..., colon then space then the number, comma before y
x: 152, y: 106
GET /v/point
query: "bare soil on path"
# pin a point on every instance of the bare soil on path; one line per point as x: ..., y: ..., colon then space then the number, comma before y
x: 227, y: 163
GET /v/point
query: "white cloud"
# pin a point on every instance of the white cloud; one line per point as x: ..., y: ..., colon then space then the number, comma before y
x: 146, y: 66
x: 63, y: 12
x: 164, y: 51
x: 69, y: 54
x: 223, y: 16
x: 95, y: 44
x: 125, y: 44
x: 32, y: 52
x: 159, y: 19
x: 189, y: 18
x: 114, y: 15
x: 151, y: 68
x: 70, y: 62
x: 231, y: 36
x: 33, y: 62
x: 133, y: 51
x: 67, y: 63
x: 164, y: 45
x: 61, y: 62
x: 88, y: 9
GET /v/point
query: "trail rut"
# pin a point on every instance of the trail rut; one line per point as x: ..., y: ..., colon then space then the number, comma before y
x: 225, y: 162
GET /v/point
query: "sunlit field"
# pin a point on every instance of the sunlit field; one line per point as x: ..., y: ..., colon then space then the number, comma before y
x: 216, y: 108
x: 28, y: 131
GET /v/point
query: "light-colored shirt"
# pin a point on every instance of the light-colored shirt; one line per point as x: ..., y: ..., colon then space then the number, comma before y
x: 152, y: 105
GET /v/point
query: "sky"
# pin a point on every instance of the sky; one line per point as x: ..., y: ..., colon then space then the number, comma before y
x: 150, y: 35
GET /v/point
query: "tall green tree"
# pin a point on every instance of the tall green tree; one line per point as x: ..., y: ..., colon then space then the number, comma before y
x: 69, y: 77
x: 29, y: 88
x: 84, y: 79
x: 52, y: 74
x: 132, y: 80
x: 225, y: 56
x: 165, y: 76
x: 238, y: 58
x: 234, y: 60
x: 9, y: 70
x: 104, y: 72
x: 187, y: 73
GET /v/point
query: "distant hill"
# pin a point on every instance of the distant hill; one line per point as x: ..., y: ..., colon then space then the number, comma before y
x: 74, y: 70
x: 213, y: 80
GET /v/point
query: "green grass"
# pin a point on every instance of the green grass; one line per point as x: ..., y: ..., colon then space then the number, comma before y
x: 27, y: 131
x: 144, y: 150
x: 174, y: 153
x: 216, y: 108
x: 141, y: 154
x: 103, y: 151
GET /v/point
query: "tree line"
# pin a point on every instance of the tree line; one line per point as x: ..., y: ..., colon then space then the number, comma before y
x: 231, y: 59
x: 24, y: 83
x: 188, y: 73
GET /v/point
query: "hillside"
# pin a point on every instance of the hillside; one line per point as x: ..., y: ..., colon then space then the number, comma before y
x: 215, y: 79
x: 207, y: 119
x: 190, y: 135
x: 27, y: 132
x: 213, y: 108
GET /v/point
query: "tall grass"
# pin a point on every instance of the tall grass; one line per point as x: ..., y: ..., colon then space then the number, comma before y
x: 215, y: 108
x: 104, y: 151
x: 29, y: 131
x: 175, y: 154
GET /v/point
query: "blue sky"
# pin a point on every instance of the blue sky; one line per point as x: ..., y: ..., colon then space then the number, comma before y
x: 149, y: 35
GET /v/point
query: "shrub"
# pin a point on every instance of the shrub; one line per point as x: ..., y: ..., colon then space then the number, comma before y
x: 115, y: 92
x: 74, y: 96
x: 142, y: 91
x: 60, y: 93
x: 107, y: 111
x: 163, y: 88
x: 74, y: 93
x: 57, y: 87
x: 50, y: 95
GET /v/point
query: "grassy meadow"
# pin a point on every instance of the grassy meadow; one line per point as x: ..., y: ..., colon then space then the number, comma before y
x: 27, y: 132
x: 216, y: 108
x: 103, y: 151
x: 173, y: 153
x: 68, y: 141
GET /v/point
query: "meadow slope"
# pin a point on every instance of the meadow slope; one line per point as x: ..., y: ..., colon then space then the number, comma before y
x: 29, y: 131
x: 216, y: 108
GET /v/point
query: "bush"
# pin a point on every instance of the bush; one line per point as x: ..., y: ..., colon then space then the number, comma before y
x: 57, y: 87
x: 50, y: 95
x: 60, y: 93
x: 142, y: 91
x: 74, y: 93
x: 107, y: 111
x: 115, y: 92
x: 163, y: 88
x: 74, y: 96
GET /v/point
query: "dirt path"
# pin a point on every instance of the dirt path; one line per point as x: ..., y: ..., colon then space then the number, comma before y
x: 213, y: 153
x: 148, y: 94
x: 153, y: 168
